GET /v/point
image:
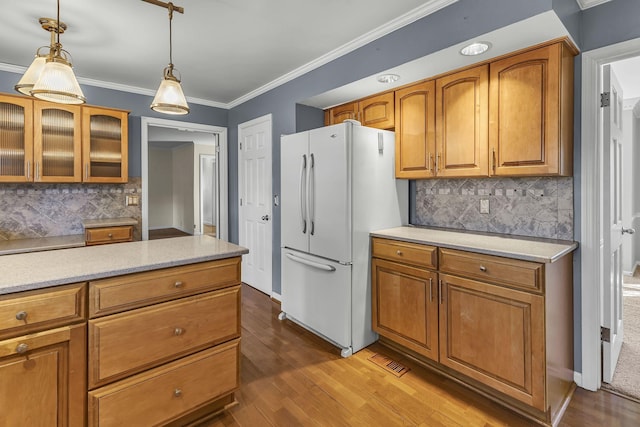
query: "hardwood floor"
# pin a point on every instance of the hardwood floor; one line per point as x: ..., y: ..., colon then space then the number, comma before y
x: 164, y: 233
x: 290, y: 377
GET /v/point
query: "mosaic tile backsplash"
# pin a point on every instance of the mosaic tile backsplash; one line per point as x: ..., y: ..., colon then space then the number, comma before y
x: 44, y: 210
x: 538, y: 207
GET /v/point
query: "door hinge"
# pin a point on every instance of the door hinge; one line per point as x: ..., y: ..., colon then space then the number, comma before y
x: 604, y: 99
x: 605, y: 334
x: 241, y: 145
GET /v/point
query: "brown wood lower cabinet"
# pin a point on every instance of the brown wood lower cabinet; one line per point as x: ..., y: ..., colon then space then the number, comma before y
x: 503, y: 327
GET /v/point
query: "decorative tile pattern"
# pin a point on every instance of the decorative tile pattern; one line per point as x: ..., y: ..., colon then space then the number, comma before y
x: 539, y: 207
x: 43, y: 210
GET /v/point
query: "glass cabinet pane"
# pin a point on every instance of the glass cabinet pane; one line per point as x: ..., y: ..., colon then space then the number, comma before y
x: 57, y: 143
x: 15, y: 139
x: 106, y: 147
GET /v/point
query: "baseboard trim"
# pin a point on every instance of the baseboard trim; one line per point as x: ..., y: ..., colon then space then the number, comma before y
x: 577, y: 378
x: 276, y: 297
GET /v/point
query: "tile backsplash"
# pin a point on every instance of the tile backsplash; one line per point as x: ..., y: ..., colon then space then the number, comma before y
x: 44, y: 210
x: 538, y: 207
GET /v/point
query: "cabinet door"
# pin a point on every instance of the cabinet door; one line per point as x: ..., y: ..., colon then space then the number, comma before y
x: 341, y: 113
x: 494, y: 335
x: 525, y: 113
x: 42, y: 378
x: 16, y: 139
x: 105, y: 142
x: 405, y: 306
x: 57, y: 142
x: 415, y: 131
x: 462, y: 105
x: 377, y: 111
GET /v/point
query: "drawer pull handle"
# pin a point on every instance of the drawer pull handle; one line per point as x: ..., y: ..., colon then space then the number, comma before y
x: 22, y: 348
x: 110, y: 235
x: 178, y: 284
x: 483, y: 268
x: 21, y: 315
x: 399, y: 252
x: 178, y: 331
x: 177, y: 392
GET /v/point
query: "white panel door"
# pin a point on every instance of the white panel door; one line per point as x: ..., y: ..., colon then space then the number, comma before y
x: 254, y: 185
x: 294, y: 160
x: 612, y: 220
x: 329, y: 193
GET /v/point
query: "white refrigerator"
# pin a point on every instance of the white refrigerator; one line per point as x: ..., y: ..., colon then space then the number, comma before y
x: 337, y: 185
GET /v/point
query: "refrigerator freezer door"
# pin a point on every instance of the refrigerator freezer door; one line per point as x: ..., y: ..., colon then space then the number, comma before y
x: 294, y: 157
x: 329, y: 193
x: 317, y: 294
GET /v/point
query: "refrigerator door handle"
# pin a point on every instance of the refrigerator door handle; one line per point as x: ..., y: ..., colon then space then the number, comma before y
x: 318, y: 265
x: 311, y: 194
x: 301, y: 195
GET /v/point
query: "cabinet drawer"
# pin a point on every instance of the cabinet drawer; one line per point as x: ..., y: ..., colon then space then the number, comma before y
x: 102, y: 235
x: 166, y: 393
x: 410, y: 253
x: 504, y: 271
x: 117, y: 294
x: 33, y: 311
x: 128, y: 343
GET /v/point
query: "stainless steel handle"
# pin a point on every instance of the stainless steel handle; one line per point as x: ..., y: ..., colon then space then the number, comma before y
x: 178, y: 331
x: 628, y: 230
x: 483, y: 268
x: 302, y: 194
x: 440, y: 291
x: 429, y: 160
x: 265, y: 217
x: 21, y: 315
x: 493, y: 160
x: 311, y: 194
x: 430, y: 288
x: 319, y: 266
x: 110, y: 235
x: 437, y: 163
x: 86, y: 171
x: 177, y: 392
x: 178, y: 284
x: 37, y: 177
x: 22, y: 348
x: 29, y: 170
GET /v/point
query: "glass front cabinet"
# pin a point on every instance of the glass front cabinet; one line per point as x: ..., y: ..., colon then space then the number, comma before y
x: 47, y: 142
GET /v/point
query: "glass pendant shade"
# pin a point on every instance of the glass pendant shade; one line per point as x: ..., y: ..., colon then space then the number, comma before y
x: 32, y: 74
x: 57, y: 83
x: 169, y: 98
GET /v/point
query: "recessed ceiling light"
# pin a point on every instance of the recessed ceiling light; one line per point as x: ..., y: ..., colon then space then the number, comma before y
x: 388, y: 78
x: 476, y: 48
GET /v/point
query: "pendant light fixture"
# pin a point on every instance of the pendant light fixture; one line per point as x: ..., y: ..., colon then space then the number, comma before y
x: 56, y: 82
x: 169, y: 98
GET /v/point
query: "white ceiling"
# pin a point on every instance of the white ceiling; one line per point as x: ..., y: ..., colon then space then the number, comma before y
x: 231, y: 50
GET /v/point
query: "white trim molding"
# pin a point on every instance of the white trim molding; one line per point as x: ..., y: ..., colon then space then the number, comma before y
x: 590, y: 184
x: 586, y: 4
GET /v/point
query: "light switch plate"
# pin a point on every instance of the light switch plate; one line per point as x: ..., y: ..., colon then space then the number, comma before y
x: 484, y: 206
x: 132, y: 200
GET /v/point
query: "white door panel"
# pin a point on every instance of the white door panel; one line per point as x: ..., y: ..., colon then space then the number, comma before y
x: 330, y: 193
x: 612, y: 219
x: 294, y: 158
x: 317, y: 293
x: 254, y: 176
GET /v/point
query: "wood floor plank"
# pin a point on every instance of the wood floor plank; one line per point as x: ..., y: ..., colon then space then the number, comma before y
x: 291, y: 377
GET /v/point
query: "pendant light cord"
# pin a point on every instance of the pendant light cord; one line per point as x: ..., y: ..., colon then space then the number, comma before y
x: 170, y: 34
x: 58, y: 25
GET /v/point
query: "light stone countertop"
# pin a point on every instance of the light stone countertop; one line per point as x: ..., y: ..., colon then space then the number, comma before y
x: 108, y: 222
x: 35, y: 270
x: 523, y: 248
x: 40, y: 244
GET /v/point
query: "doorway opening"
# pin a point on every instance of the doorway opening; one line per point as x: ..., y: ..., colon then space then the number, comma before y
x: 172, y: 185
x: 598, y: 287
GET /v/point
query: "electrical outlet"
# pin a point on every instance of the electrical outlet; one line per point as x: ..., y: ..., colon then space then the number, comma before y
x: 132, y: 200
x: 484, y: 206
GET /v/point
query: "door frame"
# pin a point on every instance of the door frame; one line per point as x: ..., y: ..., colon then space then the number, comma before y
x: 223, y: 167
x: 591, y: 227
x: 201, y: 160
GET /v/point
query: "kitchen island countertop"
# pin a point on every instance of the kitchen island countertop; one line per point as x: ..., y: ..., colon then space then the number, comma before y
x: 524, y: 248
x: 36, y: 270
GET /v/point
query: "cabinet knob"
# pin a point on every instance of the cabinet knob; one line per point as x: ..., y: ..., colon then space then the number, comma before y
x: 110, y: 235
x: 178, y: 331
x: 483, y: 268
x: 177, y: 392
x: 22, y: 348
x: 399, y: 252
x: 21, y: 315
x: 178, y: 284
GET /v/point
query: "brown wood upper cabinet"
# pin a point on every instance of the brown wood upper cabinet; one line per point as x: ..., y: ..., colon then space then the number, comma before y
x: 375, y: 111
x: 105, y: 155
x: 531, y: 112
x: 462, y: 104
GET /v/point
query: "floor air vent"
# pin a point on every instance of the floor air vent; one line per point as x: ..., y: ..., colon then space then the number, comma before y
x: 396, y: 368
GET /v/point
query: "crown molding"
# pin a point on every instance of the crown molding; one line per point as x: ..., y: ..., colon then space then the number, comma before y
x: 586, y: 4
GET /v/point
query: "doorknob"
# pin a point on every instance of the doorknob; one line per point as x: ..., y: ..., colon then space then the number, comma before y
x: 628, y: 230
x: 265, y: 217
